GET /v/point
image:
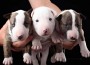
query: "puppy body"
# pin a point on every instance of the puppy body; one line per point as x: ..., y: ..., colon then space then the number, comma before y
x: 69, y: 26
x: 42, y: 18
x: 19, y: 28
x: 43, y: 23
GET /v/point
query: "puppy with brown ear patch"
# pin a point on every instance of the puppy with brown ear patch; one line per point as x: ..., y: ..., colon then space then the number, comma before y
x: 69, y: 26
x: 19, y: 28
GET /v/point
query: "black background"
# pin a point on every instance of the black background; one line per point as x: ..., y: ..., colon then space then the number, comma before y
x: 73, y: 56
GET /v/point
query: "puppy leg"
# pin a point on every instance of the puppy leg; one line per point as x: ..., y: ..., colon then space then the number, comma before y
x: 55, y: 37
x: 26, y: 55
x: 36, y: 45
x: 59, y: 55
x: 34, y: 59
x: 44, y: 57
x: 83, y: 47
x: 7, y: 50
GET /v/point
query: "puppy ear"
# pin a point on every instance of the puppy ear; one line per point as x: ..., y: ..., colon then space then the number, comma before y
x: 53, y: 12
x: 29, y: 11
x: 59, y: 17
x: 58, y: 20
x: 7, y: 16
x: 32, y: 13
x: 82, y: 16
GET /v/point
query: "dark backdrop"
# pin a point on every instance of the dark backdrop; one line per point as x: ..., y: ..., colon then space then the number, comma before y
x: 73, y: 56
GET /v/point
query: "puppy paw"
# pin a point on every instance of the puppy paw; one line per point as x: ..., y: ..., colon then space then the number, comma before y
x: 27, y: 58
x: 36, y: 46
x: 53, y: 60
x: 58, y: 57
x: 8, y: 61
x: 56, y: 39
x: 85, y: 53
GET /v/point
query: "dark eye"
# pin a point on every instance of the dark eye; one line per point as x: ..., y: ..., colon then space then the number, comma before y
x: 50, y: 19
x: 77, y: 25
x: 37, y: 20
x: 26, y: 24
x: 13, y: 25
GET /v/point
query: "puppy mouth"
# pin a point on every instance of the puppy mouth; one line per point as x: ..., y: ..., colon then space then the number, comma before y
x: 45, y: 34
x: 74, y: 40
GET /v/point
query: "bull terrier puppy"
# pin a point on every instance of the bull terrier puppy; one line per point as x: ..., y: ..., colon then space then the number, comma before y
x: 43, y: 22
x: 69, y: 26
x: 19, y: 28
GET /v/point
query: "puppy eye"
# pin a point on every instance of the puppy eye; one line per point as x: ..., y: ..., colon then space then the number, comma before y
x: 37, y: 20
x: 26, y: 24
x: 77, y: 25
x: 13, y: 25
x: 50, y: 19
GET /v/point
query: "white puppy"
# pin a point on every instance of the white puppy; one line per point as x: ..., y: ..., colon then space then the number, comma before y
x: 43, y: 22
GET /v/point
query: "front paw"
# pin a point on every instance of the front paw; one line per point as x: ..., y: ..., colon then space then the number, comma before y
x: 85, y: 53
x: 59, y: 57
x: 27, y: 58
x: 56, y: 39
x: 36, y: 46
x: 8, y: 61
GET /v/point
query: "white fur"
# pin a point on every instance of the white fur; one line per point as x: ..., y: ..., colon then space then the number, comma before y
x: 8, y: 61
x: 19, y: 28
x: 43, y: 14
x: 27, y: 58
x: 84, y: 50
x: 58, y: 57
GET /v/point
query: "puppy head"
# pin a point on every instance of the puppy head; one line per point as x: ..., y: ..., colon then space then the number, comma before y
x: 43, y: 20
x: 70, y: 24
x: 20, y: 25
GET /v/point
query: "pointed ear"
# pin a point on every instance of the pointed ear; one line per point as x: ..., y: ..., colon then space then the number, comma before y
x: 32, y: 13
x: 53, y: 12
x: 7, y: 16
x: 59, y: 17
x: 82, y: 16
x: 29, y: 11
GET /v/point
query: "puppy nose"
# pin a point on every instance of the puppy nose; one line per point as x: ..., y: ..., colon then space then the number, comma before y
x: 72, y: 38
x: 45, y: 31
x: 20, y: 37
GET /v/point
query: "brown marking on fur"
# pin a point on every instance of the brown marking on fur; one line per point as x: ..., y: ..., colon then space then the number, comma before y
x: 65, y: 19
x: 8, y: 42
x: 12, y: 18
x: 27, y: 48
x: 28, y: 22
x: 7, y: 46
x: 63, y: 22
x: 78, y: 20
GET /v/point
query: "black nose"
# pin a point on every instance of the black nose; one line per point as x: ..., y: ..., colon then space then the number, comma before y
x: 20, y: 37
x: 72, y: 38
